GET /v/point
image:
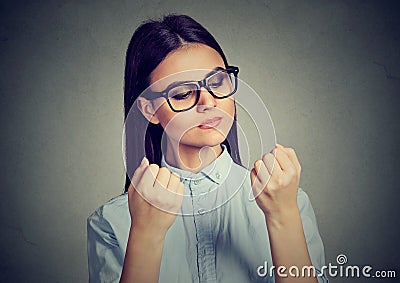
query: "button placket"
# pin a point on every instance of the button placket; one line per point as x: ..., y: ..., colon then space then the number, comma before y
x: 205, y: 248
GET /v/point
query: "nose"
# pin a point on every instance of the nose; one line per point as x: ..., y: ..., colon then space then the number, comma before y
x: 206, y: 100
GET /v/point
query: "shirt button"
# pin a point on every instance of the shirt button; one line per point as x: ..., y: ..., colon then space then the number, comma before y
x: 217, y: 175
x: 196, y: 182
x: 201, y: 211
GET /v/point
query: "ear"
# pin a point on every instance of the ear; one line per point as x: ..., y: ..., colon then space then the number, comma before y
x: 146, y: 107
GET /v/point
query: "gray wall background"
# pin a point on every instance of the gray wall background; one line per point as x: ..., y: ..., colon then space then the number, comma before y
x: 328, y: 71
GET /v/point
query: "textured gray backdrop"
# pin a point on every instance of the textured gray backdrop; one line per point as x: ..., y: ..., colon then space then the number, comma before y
x: 328, y: 71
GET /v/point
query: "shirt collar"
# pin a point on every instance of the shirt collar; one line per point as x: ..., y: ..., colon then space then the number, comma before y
x: 217, y: 171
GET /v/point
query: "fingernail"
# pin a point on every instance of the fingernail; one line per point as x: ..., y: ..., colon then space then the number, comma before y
x: 141, y: 163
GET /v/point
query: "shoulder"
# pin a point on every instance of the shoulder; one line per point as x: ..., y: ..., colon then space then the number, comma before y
x: 112, y: 211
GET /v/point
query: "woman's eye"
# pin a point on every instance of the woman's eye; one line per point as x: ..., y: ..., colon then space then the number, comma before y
x: 218, y: 80
x: 216, y: 84
x: 183, y: 95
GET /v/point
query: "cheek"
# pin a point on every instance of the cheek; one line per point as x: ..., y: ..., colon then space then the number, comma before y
x: 232, y: 107
x: 177, y: 124
x: 229, y: 113
x: 228, y: 108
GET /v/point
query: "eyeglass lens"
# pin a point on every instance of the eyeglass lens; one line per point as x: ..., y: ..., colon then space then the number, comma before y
x: 184, y: 96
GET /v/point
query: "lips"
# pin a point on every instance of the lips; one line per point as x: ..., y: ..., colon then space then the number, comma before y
x: 210, y: 123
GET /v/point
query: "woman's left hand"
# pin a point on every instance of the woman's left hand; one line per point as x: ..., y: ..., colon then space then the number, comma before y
x: 275, y: 181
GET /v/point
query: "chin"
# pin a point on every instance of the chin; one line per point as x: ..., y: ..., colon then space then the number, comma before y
x: 204, y: 141
x: 201, y: 138
x: 210, y: 142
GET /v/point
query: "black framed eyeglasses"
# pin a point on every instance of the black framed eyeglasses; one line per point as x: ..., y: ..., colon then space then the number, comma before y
x: 184, y: 95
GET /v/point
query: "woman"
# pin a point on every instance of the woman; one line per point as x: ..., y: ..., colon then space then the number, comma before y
x: 185, y: 215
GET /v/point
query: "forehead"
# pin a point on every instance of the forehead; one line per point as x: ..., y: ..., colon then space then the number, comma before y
x: 192, y: 62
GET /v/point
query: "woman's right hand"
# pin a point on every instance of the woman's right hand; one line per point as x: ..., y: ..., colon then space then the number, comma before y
x: 154, y: 196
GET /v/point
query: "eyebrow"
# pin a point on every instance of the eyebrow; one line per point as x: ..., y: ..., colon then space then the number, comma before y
x: 176, y: 83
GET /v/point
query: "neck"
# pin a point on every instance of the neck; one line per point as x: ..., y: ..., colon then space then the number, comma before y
x: 191, y: 158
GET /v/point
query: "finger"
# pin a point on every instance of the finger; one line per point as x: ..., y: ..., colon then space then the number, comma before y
x: 139, y: 171
x: 293, y: 158
x: 173, y: 182
x: 131, y: 189
x: 271, y: 163
x: 253, y: 176
x: 255, y: 182
x: 256, y: 186
x: 162, y: 179
x: 256, y: 166
x: 148, y: 178
x: 284, y: 162
x: 262, y: 172
x: 180, y: 189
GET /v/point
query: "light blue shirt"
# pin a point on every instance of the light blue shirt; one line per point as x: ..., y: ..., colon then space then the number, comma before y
x: 221, y: 235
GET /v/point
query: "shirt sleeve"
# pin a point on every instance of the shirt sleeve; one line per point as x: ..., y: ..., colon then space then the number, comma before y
x: 313, y: 238
x: 105, y: 260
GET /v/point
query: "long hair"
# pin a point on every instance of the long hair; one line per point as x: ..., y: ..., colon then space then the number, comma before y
x: 152, y: 41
